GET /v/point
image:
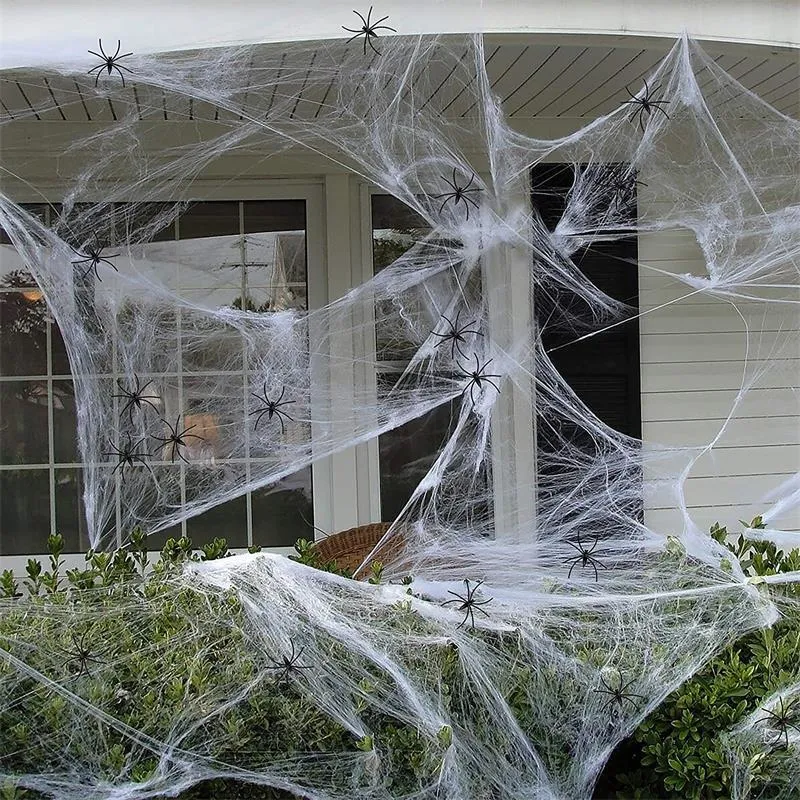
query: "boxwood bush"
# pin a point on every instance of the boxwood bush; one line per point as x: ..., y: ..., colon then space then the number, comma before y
x: 133, y: 615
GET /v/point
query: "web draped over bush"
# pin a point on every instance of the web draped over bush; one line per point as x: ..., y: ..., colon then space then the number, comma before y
x: 557, y: 613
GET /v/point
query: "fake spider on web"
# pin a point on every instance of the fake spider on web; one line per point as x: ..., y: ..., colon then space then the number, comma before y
x: 135, y: 397
x: 176, y: 440
x: 288, y: 666
x: 468, y: 604
x: 127, y: 455
x: 477, y: 377
x: 93, y: 256
x: 458, y: 193
x: 646, y: 104
x: 109, y: 62
x: 586, y: 557
x: 368, y: 30
x: 456, y: 335
x: 271, y: 408
x: 618, y: 695
x: 81, y: 654
x: 784, y: 717
x: 621, y: 186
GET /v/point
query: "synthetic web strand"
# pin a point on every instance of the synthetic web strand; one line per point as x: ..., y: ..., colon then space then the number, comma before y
x: 539, y: 627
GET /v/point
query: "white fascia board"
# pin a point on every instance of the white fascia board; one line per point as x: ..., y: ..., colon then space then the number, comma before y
x: 61, y: 31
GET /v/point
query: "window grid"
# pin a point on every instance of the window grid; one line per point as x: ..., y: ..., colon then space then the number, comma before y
x: 53, y: 465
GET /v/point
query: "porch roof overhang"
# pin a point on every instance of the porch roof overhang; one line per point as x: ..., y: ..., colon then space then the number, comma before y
x: 569, y: 80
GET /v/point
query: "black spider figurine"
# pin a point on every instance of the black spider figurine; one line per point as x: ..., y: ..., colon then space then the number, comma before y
x: 128, y: 454
x: 109, y: 62
x: 81, y: 654
x: 622, y: 188
x: 781, y: 720
x: 459, y: 194
x: 468, y: 604
x: 271, y: 408
x: 585, y: 557
x: 456, y: 335
x: 177, y: 440
x: 136, y: 397
x: 368, y: 30
x: 288, y: 665
x: 619, y: 694
x: 93, y: 257
x: 646, y: 104
x: 477, y: 377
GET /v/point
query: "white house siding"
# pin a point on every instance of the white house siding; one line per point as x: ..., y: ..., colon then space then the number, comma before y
x: 692, y: 365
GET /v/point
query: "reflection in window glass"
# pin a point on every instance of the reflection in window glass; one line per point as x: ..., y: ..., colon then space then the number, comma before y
x: 227, y: 521
x: 23, y: 422
x: 283, y: 513
x: 70, y: 516
x: 408, y: 452
x: 24, y: 511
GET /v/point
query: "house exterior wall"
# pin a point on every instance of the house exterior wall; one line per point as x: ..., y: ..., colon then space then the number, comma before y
x: 692, y: 365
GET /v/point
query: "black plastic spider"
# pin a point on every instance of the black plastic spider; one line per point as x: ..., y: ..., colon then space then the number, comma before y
x: 177, y: 440
x: 622, y: 188
x: 456, y: 335
x: 368, y: 30
x: 81, y: 654
x: 288, y: 665
x: 646, y: 104
x: 468, y: 604
x: 128, y: 455
x: 477, y: 377
x: 460, y: 194
x: 619, y: 694
x: 93, y: 256
x: 271, y: 408
x: 136, y: 397
x: 584, y: 557
x: 109, y: 62
x: 783, y: 719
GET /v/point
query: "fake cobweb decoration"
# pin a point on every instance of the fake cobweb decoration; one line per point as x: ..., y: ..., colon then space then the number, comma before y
x: 560, y: 601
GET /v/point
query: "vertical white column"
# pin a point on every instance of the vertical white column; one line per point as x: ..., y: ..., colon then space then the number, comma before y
x: 335, y: 485
x: 508, y: 290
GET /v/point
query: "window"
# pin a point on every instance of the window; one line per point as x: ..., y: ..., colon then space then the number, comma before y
x: 603, y: 370
x: 406, y: 453
x: 246, y: 254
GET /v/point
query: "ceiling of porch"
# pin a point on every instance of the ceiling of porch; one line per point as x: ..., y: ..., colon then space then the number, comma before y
x: 575, y: 78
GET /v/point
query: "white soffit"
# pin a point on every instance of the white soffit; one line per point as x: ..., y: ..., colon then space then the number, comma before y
x: 573, y: 77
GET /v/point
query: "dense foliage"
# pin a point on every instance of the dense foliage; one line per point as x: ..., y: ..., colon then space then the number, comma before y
x: 679, y: 751
x: 112, y: 631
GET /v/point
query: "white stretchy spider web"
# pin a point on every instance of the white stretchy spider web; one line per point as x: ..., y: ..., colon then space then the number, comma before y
x: 592, y: 597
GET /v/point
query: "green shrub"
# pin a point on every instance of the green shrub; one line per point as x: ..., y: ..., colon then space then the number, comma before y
x: 679, y: 750
x: 145, y: 649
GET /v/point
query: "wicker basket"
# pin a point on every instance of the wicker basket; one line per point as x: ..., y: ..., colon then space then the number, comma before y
x: 349, y: 548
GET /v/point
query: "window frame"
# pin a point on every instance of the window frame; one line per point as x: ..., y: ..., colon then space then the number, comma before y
x: 311, y: 191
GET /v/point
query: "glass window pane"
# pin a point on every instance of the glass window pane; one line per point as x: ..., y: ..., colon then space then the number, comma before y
x: 274, y: 255
x: 65, y: 423
x: 274, y: 215
x: 408, y: 452
x: 284, y: 512
x: 23, y: 327
x: 24, y: 511
x: 24, y: 422
x: 227, y: 521
x: 70, y: 514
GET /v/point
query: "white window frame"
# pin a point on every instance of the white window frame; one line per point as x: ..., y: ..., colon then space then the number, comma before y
x: 507, y: 285
x: 312, y: 192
